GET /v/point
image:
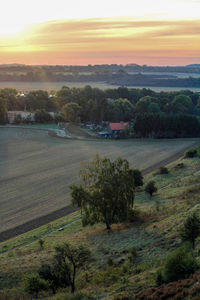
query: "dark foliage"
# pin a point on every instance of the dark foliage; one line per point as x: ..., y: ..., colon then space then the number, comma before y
x: 191, y: 229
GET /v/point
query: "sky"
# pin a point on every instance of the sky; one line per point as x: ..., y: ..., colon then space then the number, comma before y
x: 77, y: 32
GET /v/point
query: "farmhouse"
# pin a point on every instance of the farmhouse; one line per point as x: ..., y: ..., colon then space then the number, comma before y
x: 23, y: 114
x: 117, y: 129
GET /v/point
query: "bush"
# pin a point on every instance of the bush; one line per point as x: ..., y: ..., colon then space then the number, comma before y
x: 162, y: 170
x: 34, y: 284
x: 190, y: 153
x: 179, y: 264
x: 133, y: 215
x: 179, y: 166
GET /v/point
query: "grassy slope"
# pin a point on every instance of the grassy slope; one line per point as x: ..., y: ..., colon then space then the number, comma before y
x: 36, y: 169
x: 155, y: 235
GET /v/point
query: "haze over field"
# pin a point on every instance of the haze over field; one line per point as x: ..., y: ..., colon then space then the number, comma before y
x: 154, y: 32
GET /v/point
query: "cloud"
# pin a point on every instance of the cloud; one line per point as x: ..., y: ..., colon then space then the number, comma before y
x: 109, y: 40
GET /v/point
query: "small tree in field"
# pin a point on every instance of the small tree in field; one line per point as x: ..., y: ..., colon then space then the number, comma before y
x: 191, y: 229
x: 72, y: 259
x: 150, y: 188
x: 107, y: 193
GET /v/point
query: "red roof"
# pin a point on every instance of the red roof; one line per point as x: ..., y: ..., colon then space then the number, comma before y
x: 118, y: 126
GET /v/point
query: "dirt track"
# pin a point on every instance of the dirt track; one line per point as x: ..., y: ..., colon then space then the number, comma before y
x: 37, y: 222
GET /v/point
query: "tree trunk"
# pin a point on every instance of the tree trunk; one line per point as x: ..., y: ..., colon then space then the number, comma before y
x: 73, y: 281
x: 193, y: 243
x: 107, y: 226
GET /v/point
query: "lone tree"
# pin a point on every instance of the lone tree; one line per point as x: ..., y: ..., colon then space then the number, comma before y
x: 71, y: 111
x: 150, y: 188
x: 107, y: 193
x: 71, y: 259
x: 191, y: 229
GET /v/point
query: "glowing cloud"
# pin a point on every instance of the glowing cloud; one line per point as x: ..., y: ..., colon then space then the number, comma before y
x: 157, y: 31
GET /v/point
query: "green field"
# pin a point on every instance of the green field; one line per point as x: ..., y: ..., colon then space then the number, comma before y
x: 37, y: 169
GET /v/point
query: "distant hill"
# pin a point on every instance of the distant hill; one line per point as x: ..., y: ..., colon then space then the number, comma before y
x: 193, y: 66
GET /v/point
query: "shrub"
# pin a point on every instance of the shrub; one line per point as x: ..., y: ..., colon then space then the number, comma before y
x: 133, y: 215
x: 162, y: 170
x: 179, y: 264
x: 179, y: 166
x: 34, y: 284
x: 41, y: 244
x: 150, y: 188
x: 190, y: 153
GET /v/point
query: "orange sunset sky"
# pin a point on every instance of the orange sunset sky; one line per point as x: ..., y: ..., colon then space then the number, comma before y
x: 81, y: 32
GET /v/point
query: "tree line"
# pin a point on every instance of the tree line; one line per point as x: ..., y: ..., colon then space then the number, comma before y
x: 168, y: 114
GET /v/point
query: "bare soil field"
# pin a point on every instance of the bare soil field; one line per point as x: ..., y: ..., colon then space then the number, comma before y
x: 37, y: 169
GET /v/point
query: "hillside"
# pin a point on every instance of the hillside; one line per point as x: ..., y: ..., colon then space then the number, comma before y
x: 36, y: 168
x: 110, y: 274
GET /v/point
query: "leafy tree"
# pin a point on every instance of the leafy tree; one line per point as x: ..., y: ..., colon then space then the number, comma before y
x: 182, y: 104
x: 191, y: 229
x: 150, y: 188
x: 34, y: 284
x: 10, y: 96
x: 179, y: 264
x: 153, y: 108
x: 123, y: 109
x: 107, y: 193
x: 138, y: 178
x: 3, y: 111
x: 143, y: 104
x: 71, y: 111
x: 41, y: 116
x: 37, y: 100
x: 72, y: 259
